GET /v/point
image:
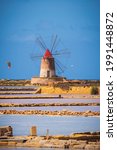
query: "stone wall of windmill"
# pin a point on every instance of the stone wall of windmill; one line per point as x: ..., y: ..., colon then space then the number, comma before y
x: 47, y: 69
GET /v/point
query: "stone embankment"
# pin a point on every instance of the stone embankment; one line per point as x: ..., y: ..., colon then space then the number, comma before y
x: 53, y: 113
x: 51, y: 87
x: 47, y: 104
x: 5, y: 131
x: 85, y: 141
x: 28, y: 97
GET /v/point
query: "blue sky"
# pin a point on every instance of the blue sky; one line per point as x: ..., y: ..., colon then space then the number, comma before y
x: 76, y: 22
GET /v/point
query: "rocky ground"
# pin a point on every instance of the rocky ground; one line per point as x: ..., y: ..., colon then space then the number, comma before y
x: 68, y: 89
x: 47, y: 104
x: 79, y: 141
x: 51, y: 113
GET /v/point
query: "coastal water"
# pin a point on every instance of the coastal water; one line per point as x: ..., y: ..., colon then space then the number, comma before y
x: 56, y: 124
x: 16, y: 87
x: 56, y: 108
x: 23, y: 101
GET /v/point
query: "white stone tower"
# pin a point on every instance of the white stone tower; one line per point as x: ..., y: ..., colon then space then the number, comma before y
x: 47, y: 69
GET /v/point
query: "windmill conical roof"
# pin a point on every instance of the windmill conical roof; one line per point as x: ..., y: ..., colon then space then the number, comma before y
x: 47, y: 54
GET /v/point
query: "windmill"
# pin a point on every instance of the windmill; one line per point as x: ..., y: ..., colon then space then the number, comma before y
x: 49, y: 63
x: 47, y: 68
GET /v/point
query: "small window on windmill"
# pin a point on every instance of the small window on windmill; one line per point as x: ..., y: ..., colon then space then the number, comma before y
x: 48, y: 73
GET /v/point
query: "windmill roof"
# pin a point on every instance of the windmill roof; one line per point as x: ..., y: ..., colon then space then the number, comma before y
x: 47, y: 54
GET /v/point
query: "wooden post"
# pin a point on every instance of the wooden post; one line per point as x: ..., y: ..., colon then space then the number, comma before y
x: 47, y: 134
x: 33, y: 131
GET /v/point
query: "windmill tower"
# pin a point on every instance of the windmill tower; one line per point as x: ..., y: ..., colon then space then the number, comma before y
x: 47, y: 69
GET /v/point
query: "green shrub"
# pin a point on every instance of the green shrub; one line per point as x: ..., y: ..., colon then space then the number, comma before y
x: 94, y: 90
